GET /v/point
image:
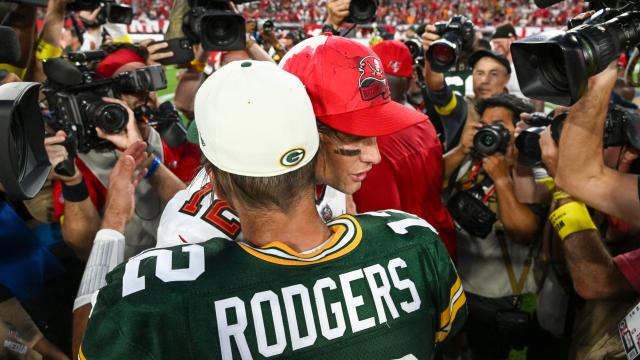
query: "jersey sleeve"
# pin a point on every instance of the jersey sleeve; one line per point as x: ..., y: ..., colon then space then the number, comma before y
x: 451, y: 299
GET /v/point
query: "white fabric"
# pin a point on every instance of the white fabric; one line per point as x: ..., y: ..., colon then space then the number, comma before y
x: 176, y: 225
x: 243, y: 132
x: 107, y: 252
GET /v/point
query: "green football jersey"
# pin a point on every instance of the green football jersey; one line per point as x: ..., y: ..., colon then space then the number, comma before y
x: 382, y: 287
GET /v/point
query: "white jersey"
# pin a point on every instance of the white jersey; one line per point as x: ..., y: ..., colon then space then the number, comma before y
x: 196, y: 215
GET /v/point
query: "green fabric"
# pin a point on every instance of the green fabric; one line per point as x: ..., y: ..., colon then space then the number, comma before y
x: 179, y: 319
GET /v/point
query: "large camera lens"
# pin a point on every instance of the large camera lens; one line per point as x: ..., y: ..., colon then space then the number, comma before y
x: 111, y: 118
x: 442, y: 55
x: 223, y: 31
x: 362, y: 11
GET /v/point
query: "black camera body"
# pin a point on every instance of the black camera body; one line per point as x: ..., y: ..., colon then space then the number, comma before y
x: 110, y: 12
x: 362, y: 11
x: 165, y: 120
x: 554, y: 66
x: 489, y: 140
x: 213, y: 24
x: 457, y: 37
x: 74, y: 94
x: 415, y: 48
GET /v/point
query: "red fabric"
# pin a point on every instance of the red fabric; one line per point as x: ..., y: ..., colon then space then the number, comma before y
x: 108, y: 66
x: 629, y: 265
x: 409, y: 178
x: 347, y: 86
x: 97, y: 192
x: 184, y: 160
x: 396, y: 58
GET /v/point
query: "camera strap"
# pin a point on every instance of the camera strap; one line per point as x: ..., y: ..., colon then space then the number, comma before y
x: 516, y: 284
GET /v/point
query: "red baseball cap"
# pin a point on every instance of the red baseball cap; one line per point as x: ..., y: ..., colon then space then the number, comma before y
x: 114, y: 61
x: 347, y: 86
x: 396, y: 58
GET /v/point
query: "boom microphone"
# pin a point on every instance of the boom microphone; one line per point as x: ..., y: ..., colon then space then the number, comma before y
x: 62, y: 72
x: 10, y: 49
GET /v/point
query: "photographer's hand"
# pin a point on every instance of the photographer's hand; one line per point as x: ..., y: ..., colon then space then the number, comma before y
x: 453, y: 158
x: 129, y: 135
x: 337, y: 12
x: 549, y: 151
x: 435, y: 80
x: 497, y: 167
x: 155, y: 52
x: 57, y: 153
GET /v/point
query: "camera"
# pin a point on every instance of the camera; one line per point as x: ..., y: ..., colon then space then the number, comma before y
x: 555, y: 66
x: 110, y: 12
x: 489, y: 140
x: 24, y: 164
x: 457, y: 37
x: 622, y: 126
x: 362, y: 11
x: 528, y: 142
x: 74, y: 94
x: 214, y: 25
x: 468, y: 209
x: 165, y: 120
x: 415, y: 48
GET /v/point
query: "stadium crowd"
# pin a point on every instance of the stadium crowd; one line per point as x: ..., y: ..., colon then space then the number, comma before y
x: 302, y: 196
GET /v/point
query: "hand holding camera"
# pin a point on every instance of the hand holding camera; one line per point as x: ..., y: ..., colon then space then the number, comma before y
x: 337, y: 12
x: 129, y: 135
x: 497, y: 167
x: 549, y: 150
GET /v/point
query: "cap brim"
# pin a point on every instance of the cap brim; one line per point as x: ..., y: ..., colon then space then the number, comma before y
x: 379, y: 120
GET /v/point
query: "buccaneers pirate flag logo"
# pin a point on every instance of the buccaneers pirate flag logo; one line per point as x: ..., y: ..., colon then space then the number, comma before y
x: 372, y: 82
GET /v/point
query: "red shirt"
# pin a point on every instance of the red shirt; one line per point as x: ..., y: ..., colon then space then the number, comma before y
x: 409, y: 178
x: 629, y: 265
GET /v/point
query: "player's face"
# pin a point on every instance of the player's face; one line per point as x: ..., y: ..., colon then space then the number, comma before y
x: 344, y: 165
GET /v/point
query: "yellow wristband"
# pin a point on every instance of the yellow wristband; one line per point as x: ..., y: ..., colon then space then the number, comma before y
x: 197, y: 65
x: 21, y: 72
x: 45, y: 51
x: 571, y: 218
x: 548, y: 182
x: 557, y: 195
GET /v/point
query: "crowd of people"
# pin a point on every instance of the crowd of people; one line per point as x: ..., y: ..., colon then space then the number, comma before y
x: 315, y: 196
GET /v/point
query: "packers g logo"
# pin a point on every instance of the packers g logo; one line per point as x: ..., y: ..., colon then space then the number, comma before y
x: 292, y: 157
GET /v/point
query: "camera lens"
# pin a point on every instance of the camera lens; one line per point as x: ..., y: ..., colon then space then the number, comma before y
x: 362, y: 11
x: 112, y: 118
x: 221, y: 30
x: 444, y: 54
x: 487, y: 139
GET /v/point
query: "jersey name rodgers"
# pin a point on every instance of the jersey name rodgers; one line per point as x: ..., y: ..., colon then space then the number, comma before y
x: 195, y: 215
x: 382, y: 287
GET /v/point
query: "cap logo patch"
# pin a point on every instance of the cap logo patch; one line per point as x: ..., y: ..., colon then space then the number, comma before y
x: 394, y: 65
x: 292, y: 157
x: 372, y: 82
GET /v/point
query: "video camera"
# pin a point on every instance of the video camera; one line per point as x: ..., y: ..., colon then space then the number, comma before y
x: 110, y: 11
x: 554, y: 66
x: 622, y: 126
x: 74, y: 94
x: 213, y: 24
x: 457, y: 37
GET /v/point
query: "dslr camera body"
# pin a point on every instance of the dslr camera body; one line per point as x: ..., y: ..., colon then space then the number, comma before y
x: 74, y: 94
x: 457, y: 37
x: 489, y: 140
x: 110, y: 12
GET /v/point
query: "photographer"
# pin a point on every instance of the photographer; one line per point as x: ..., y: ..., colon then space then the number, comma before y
x: 495, y: 257
x: 490, y: 73
x: 84, y: 193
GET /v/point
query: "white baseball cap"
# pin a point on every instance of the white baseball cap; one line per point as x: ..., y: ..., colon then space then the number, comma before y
x: 255, y: 119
